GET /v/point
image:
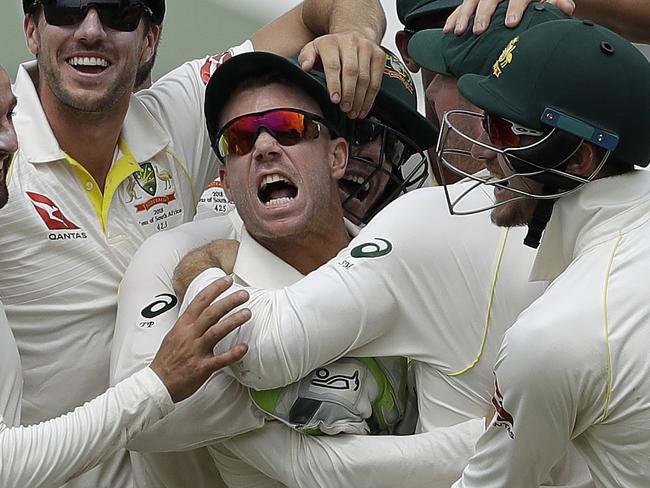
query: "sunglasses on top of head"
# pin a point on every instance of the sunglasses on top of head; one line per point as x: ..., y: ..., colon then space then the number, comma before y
x: 120, y: 15
x: 288, y: 126
x: 503, y: 133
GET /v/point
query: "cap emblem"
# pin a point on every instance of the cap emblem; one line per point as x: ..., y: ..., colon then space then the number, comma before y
x: 505, y: 58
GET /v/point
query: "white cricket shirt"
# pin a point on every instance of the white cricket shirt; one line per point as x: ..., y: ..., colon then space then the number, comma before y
x: 65, y: 244
x: 52, y: 452
x: 415, y: 282
x: 11, y: 381
x: 147, y: 310
x: 574, y: 368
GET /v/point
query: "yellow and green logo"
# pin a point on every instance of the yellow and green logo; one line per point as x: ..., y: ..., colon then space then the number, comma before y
x: 505, y: 58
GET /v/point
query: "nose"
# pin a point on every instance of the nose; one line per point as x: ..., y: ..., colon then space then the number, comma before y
x: 266, y: 146
x: 482, y: 153
x: 91, y: 28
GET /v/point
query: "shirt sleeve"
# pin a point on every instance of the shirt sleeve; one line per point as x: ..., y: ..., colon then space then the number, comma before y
x: 147, y: 310
x: 386, y: 294
x: 537, y: 402
x: 177, y: 102
x: 50, y: 453
x: 433, y: 459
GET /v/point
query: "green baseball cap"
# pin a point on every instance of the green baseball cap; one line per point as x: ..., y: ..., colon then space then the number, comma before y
x: 408, y: 11
x: 574, y: 75
x: 455, y: 56
x: 396, y: 104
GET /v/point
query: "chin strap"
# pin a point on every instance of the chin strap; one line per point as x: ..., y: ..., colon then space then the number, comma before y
x: 541, y: 216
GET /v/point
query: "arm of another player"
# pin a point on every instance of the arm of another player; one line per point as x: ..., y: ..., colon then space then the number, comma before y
x: 630, y: 18
x: 537, y: 403
x: 344, y: 36
x: 50, y: 453
x: 434, y: 459
x: 220, y: 254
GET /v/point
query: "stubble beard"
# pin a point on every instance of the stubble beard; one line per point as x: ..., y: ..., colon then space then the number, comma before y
x: 82, y: 104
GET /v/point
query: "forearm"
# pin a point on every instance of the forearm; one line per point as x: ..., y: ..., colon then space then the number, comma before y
x: 630, y: 18
x: 52, y: 452
x: 220, y: 409
x: 433, y: 459
x: 295, y: 330
x: 337, y: 16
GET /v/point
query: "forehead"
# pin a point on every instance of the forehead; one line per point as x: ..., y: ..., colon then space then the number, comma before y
x: 267, y: 97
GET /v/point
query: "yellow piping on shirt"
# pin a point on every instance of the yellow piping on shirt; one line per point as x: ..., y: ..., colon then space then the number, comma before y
x: 488, y: 315
x: 11, y: 168
x: 195, y: 199
x: 608, y: 396
x: 123, y: 167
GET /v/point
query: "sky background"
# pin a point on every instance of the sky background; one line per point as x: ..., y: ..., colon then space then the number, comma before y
x: 193, y: 28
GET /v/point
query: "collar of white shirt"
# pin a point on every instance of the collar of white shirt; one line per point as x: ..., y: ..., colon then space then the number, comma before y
x: 257, y: 266
x: 595, y: 213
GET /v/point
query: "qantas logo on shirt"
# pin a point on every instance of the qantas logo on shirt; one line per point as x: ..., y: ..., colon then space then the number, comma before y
x: 54, y: 219
x: 51, y: 213
x: 503, y: 417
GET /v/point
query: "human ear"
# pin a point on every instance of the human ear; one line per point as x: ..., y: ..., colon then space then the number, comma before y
x: 402, y: 42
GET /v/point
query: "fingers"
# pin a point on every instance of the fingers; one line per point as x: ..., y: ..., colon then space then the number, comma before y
x: 515, y: 11
x: 375, y: 62
x: 331, y: 61
x: 353, y: 67
x: 215, y: 312
x: 484, y: 9
x: 459, y: 19
x: 225, y: 326
x: 307, y: 57
x: 205, y: 298
x: 566, y: 6
x: 227, y: 358
x: 484, y: 12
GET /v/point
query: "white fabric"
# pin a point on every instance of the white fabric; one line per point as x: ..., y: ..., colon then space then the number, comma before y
x: 48, y: 454
x: 433, y: 459
x: 574, y: 368
x: 11, y: 384
x: 427, y: 299
x: 220, y: 408
x: 227, y: 407
x: 61, y: 272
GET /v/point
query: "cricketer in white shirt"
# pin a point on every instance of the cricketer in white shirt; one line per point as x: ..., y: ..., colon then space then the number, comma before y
x: 595, y: 325
x: 222, y: 409
x: 52, y: 452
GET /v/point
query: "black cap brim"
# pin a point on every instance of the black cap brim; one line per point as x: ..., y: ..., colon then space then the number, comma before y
x: 227, y: 78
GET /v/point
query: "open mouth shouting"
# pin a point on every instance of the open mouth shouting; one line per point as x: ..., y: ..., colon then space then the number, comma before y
x: 89, y: 65
x: 355, y: 185
x: 276, y: 190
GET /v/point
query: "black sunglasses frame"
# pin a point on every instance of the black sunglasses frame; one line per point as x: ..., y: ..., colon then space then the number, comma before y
x: 120, y: 15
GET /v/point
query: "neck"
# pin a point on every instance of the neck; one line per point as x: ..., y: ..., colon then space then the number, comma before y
x: 88, y: 137
x: 308, y: 252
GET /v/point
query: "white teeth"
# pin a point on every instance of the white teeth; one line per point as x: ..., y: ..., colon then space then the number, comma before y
x: 355, y: 179
x: 359, y: 180
x: 88, y: 61
x: 271, y: 179
x: 278, y: 201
